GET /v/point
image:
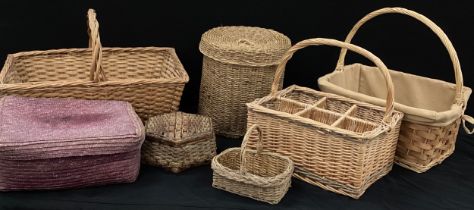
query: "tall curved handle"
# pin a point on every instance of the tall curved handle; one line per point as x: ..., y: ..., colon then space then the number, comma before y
x: 331, y: 42
x: 437, y: 30
x: 243, y: 147
x: 96, y: 72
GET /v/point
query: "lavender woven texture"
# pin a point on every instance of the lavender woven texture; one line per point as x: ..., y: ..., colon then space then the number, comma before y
x: 67, y: 143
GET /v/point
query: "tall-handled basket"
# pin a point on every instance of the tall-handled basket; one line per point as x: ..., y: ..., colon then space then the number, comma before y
x: 336, y: 143
x: 433, y: 109
x: 150, y: 78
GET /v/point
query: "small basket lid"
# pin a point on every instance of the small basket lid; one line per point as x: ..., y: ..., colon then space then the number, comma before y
x: 46, y: 128
x: 243, y: 45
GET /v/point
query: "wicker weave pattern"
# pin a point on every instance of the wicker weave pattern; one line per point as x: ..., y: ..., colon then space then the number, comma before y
x: 422, y: 145
x: 263, y: 176
x: 238, y: 66
x: 177, y: 141
x: 339, y: 144
x: 150, y: 78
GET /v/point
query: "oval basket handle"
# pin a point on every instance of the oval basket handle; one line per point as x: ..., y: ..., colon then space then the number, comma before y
x: 331, y: 42
x: 96, y: 72
x: 437, y: 30
x: 243, y: 147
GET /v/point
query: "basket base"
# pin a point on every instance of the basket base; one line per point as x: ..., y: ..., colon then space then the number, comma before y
x: 337, y: 187
x: 271, y: 195
x: 418, y: 168
x: 174, y: 167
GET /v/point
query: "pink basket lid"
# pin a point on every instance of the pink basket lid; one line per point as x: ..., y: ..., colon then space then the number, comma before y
x: 40, y: 128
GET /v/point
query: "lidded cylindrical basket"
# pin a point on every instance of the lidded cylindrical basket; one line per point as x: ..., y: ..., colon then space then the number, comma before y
x: 238, y: 66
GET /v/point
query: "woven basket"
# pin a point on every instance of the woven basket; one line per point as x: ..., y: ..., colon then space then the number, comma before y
x: 177, y: 141
x: 263, y: 176
x: 339, y: 144
x: 430, y: 127
x: 48, y: 144
x: 150, y: 78
x: 238, y: 66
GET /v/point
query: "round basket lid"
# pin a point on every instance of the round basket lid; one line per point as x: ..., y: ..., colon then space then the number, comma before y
x: 252, y: 46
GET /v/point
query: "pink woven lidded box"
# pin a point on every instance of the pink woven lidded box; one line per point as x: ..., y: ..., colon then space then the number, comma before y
x: 67, y: 143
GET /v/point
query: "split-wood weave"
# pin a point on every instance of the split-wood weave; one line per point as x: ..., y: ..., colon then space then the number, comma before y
x: 177, y: 141
x: 336, y: 143
x: 150, y: 78
x: 433, y: 109
x: 238, y: 66
x: 263, y: 176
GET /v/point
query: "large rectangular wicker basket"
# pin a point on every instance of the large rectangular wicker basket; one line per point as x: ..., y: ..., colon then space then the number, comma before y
x: 150, y: 78
x: 433, y: 109
x: 336, y: 143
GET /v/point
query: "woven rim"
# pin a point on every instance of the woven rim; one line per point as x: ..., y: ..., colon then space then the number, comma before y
x: 244, y: 45
x: 241, y: 174
x: 154, y: 133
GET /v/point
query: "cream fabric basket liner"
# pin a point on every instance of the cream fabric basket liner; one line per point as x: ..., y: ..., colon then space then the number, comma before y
x: 423, y: 100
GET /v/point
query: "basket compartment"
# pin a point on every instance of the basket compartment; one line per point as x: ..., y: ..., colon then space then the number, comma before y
x: 334, y: 105
x: 321, y: 115
x: 302, y: 97
x: 283, y: 105
x: 356, y: 125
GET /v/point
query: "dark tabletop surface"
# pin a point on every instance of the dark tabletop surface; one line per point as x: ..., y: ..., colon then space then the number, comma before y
x: 447, y: 186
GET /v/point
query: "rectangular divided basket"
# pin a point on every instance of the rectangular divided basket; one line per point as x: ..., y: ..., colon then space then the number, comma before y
x: 150, y: 78
x: 336, y: 143
x: 430, y: 127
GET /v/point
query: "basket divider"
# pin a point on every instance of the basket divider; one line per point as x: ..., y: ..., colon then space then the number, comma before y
x: 344, y: 116
x: 315, y: 105
x: 320, y: 101
x: 362, y: 121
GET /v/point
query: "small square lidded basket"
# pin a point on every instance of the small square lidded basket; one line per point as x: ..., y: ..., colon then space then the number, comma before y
x: 177, y: 141
x: 263, y: 176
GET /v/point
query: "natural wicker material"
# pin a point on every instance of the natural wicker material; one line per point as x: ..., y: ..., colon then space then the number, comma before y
x: 177, y: 141
x: 263, y: 176
x: 339, y: 144
x: 150, y: 78
x: 429, y: 129
x: 238, y: 66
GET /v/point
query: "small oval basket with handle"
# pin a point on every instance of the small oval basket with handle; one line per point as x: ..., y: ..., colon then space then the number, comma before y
x: 263, y: 176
